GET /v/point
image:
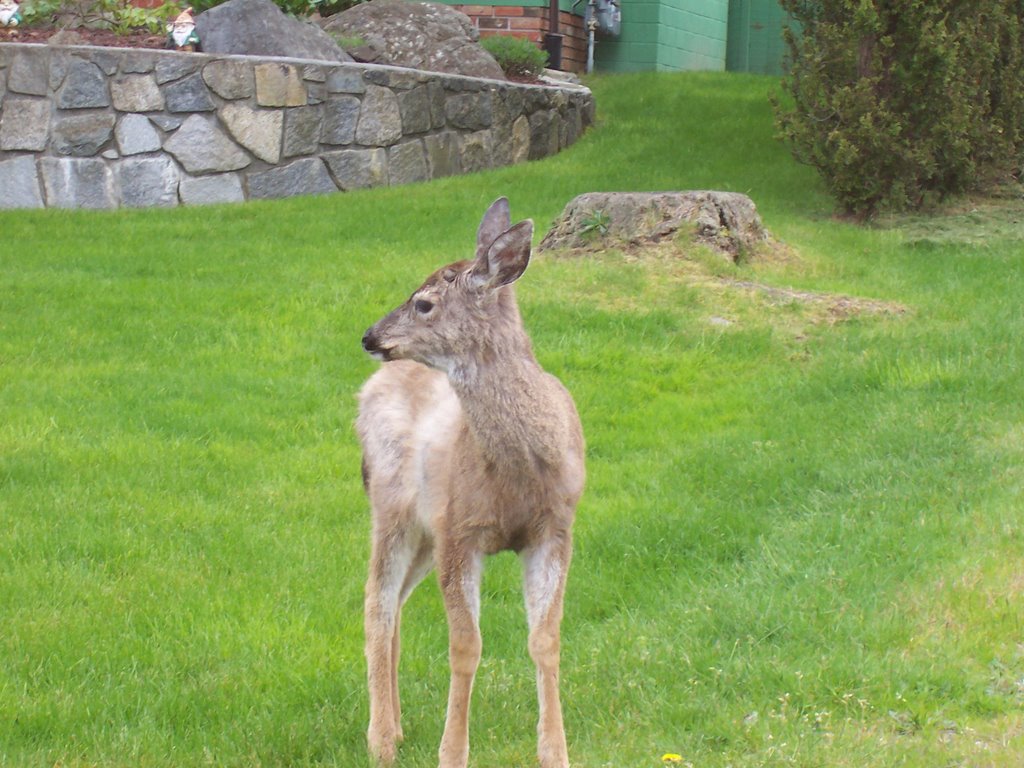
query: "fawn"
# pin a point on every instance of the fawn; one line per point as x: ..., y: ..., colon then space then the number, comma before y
x: 469, y: 448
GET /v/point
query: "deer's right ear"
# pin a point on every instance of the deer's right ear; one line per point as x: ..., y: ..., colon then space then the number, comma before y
x: 506, y: 259
x: 496, y: 220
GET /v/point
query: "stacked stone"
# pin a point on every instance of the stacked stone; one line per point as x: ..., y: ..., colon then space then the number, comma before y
x: 84, y: 127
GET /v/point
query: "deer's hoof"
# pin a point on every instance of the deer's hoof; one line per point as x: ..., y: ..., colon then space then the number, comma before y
x: 382, y: 750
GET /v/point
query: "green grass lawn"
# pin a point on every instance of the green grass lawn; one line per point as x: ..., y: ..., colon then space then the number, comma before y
x: 801, y: 542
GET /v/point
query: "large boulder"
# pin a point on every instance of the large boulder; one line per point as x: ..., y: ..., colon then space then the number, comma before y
x: 260, y: 28
x: 726, y: 221
x: 419, y: 35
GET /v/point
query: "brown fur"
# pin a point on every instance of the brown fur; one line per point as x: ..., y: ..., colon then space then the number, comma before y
x: 469, y: 448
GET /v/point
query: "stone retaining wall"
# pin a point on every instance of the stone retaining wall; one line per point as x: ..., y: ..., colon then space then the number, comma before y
x: 86, y: 127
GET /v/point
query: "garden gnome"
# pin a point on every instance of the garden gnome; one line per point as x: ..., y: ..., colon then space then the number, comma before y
x: 10, y: 15
x: 183, y: 31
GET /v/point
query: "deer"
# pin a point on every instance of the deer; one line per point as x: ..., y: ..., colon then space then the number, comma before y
x: 469, y: 448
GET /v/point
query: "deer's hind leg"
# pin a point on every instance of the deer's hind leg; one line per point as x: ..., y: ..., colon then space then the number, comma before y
x: 399, y: 560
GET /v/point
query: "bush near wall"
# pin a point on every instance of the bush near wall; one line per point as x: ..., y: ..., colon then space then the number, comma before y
x: 898, y: 104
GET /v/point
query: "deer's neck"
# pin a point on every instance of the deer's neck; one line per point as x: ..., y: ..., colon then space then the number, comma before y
x: 508, y: 404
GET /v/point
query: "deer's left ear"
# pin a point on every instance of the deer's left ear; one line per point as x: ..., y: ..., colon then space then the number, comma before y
x: 496, y: 220
x: 506, y: 258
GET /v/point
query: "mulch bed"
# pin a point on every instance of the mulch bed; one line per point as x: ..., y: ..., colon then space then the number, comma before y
x: 101, y: 37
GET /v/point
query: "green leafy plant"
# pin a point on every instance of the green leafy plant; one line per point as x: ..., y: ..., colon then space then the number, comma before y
x: 595, y: 225
x: 40, y: 12
x: 516, y: 57
x: 898, y: 104
x: 119, y: 16
x: 126, y: 17
x: 349, y: 41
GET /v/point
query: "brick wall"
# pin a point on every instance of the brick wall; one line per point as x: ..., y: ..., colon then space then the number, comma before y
x: 531, y: 23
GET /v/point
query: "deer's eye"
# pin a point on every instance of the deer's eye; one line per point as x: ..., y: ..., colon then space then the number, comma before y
x: 423, y: 306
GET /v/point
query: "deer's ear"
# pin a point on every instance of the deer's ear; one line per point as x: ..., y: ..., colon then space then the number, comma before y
x: 507, y: 257
x: 497, y: 220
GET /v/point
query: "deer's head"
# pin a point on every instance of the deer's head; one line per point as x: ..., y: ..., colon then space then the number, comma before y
x: 460, y: 305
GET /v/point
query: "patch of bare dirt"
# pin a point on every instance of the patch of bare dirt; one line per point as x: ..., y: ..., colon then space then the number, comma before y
x: 104, y: 38
x: 835, y: 307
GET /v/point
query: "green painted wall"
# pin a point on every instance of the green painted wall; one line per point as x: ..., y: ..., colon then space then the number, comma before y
x: 667, y: 35
x: 673, y: 35
x: 755, y: 36
x: 563, y: 5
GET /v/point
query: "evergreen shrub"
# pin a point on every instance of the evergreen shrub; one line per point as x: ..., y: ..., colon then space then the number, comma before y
x: 516, y: 56
x: 900, y: 102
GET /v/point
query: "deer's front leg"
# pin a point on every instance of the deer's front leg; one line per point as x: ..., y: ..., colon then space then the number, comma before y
x: 392, y: 563
x: 545, y: 567
x: 460, y: 582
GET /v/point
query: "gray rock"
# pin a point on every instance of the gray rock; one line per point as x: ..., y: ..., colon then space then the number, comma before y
x: 207, y: 190
x: 437, y: 100
x: 30, y: 72
x: 396, y: 78
x: 258, y: 130
x: 340, y: 116
x: 280, y: 85
x: 200, y: 146
x: 314, y: 73
x: 82, y: 134
x: 358, y: 168
x: 136, y: 93
x: 427, y: 36
x: 167, y: 122
x: 135, y: 134
x: 260, y: 28
x: 543, y: 134
x: 189, y: 94
x: 345, y: 80
x: 380, y: 119
x: 106, y: 59
x: 476, y: 151
x: 19, y: 184
x: 407, y: 163
x: 175, y: 65
x: 301, y: 131
x: 73, y: 182
x: 501, y: 144
x: 230, y: 79
x: 520, y: 140
x: 727, y: 221
x: 85, y: 86
x: 148, y: 182
x: 442, y: 154
x: 571, y: 126
x: 25, y: 124
x: 138, y: 62
x: 302, y: 177
x: 414, y: 106
x: 469, y: 111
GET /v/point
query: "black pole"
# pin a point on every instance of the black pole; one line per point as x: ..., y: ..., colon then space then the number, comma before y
x: 553, y: 40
